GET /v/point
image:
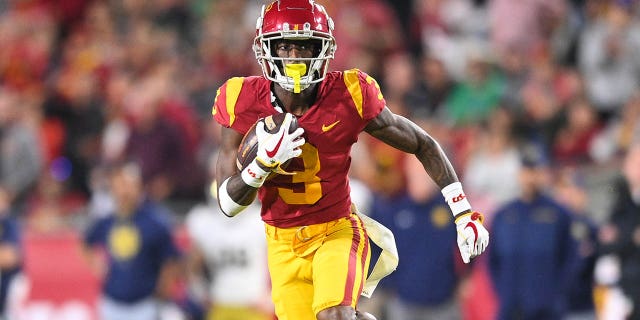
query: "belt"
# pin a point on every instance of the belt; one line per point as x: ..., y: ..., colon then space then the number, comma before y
x: 303, y: 233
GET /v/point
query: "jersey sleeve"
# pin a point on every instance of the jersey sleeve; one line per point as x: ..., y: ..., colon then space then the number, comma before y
x: 232, y: 107
x: 365, y: 92
x: 224, y: 105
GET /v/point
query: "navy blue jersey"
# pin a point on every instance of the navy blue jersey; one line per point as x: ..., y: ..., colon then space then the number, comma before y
x: 530, y: 258
x: 426, y: 239
x: 136, y: 249
x: 9, y: 235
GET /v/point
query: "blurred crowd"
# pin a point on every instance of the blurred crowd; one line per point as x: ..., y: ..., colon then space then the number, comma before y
x: 505, y: 87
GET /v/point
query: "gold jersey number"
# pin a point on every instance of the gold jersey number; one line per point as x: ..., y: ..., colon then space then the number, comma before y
x: 312, y: 188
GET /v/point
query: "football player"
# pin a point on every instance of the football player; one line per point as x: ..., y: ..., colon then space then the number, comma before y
x: 318, y: 246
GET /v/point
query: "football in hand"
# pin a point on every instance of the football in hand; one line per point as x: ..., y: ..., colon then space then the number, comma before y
x: 248, y: 148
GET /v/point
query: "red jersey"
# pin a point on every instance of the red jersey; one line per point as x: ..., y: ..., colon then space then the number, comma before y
x: 319, y: 191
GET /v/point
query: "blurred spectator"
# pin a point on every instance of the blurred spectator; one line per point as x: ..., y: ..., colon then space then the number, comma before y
x: 472, y: 100
x: 618, y: 133
x: 229, y: 262
x: 530, y: 258
x: 114, y: 137
x: 540, y: 117
x: 20, y: 156
x: 427, y: 97
x: 367, y: 31
x: 399, y: 78
x: 133, y: 250
x: 76, y: 104
x: 494, y: 157
x: 116, y: 129
x: 515, y: 66
x: 564, y: 32
x: 403, y: 9
x: 568, y: 85
x: 155, y: 142
x: 177, y: 16
x: 568, y: 191
x: 231, y: 23
x: 527, y: 25
x: 562, y: 84
x: 449, y: 29
x: 10, y: 251
x: 609, y: 49
x: 621, y: 235
x: 573, y: 142
x: 28, y: 41
x: 425, y: 237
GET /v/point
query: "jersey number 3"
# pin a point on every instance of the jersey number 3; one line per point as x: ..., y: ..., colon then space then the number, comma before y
x: 312, y: 190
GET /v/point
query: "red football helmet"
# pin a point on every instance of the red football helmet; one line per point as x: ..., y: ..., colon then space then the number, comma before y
x: 302, y: 20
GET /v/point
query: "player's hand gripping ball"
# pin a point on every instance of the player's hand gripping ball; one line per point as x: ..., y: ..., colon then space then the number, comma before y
x: 273, y: 141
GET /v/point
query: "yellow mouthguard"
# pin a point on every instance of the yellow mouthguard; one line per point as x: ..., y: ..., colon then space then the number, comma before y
x: 295, y: 71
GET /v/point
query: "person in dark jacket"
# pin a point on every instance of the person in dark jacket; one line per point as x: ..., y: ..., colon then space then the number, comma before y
x: 133, y: 249
x: 532, y: 252
x: 621, y: 235
x: 425, y: 285
x: 569, y: 190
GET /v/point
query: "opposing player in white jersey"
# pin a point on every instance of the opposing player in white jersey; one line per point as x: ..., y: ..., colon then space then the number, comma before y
x: 234, y: 254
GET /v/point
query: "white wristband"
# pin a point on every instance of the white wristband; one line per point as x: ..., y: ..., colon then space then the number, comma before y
x: 229, y: 207
x: 456, y: 198
x: 253, y: 175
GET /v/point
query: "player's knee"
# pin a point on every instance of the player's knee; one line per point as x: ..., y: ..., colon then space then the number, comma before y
x: 337, y: 313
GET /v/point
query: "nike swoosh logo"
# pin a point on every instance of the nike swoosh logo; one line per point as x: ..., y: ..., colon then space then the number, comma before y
x: 273, y: 152
x: 326, y: 128
x: 475, y: 232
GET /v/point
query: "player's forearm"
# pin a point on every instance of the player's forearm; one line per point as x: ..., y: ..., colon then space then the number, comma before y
x: 437, y: 165
x: 429, y: 153
x: 435, y: 162
x: 233, y: 193
x: 239, y: 191
x: 441, y: 171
